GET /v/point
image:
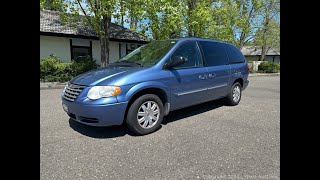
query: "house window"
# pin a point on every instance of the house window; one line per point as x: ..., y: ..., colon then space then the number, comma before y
x: 130, y: 48
x: 126, y: 48
x: 80, y: 49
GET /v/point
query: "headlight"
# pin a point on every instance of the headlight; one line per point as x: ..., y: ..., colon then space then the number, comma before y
x: 97, y: 92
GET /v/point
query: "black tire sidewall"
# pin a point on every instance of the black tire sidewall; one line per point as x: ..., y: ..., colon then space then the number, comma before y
x: 229, y: 99
x: 131, y: 119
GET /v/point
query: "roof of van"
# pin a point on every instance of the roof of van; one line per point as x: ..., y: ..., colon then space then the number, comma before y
x: 202, y: 39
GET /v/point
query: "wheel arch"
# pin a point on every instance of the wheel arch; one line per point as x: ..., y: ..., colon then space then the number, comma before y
x: 148, y: 88
x: 240, y: 80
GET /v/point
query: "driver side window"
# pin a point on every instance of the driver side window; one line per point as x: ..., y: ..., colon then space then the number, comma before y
x: 190, y: 52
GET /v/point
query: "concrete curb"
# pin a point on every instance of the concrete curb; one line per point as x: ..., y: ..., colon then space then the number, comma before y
x: 52, y: 85
x: 58, y: 85
x: 264, y: 74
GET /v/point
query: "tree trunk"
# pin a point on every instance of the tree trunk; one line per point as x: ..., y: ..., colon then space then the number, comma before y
x: 191, y: 7
x: 242, y: 38
x: 263, y: 53
x: 103, y: 51
x: 104, y: 40
x: 121, y: 11
x: 133, y: 23
x: 122, y: 20
x: 265, y: 30
x: 264, y: 42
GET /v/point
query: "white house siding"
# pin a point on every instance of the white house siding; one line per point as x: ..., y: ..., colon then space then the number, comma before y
x: 59, y: 46
x: 113, y: 48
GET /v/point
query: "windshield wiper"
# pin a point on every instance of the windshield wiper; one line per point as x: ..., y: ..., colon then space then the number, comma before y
x: 126, y: 61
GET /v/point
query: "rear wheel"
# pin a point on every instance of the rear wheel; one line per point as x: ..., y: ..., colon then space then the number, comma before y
x: 145, y: 114
x: 234, y: 96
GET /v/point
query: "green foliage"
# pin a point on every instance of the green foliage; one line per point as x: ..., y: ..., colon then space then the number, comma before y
x: 269, y: 67
x: 271, y: 36
x: 165, y: 17
x: 55, y: 5
x: 42, y: 2
x: 52, y: 69
x: 81, y: 65
x: 241, y: 22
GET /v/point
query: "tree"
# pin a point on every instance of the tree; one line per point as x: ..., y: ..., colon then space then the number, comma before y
x: 121, y: 12
x: 95, y: 14
x: 54, y: 5
x: 270, y: 12
x: 162, y: 18
x: 135, y: 12
x: 246, y: 20
x: 270, y: 38
x: 223, y: 21
x: 132, y: 10
x: 199, y: 17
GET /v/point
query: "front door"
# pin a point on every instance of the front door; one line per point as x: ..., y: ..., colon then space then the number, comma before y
x: 188, y: 81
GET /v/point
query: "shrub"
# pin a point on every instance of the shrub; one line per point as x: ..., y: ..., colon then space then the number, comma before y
x: 52, y: 69
x: 269, y: 67
x: 82, y: 65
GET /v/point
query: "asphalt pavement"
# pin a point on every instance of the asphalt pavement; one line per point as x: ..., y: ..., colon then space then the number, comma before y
x: 207, y: 141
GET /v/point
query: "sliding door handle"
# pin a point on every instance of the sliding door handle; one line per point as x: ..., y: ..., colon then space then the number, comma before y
x: 202, y: 77
x: 212, y: 75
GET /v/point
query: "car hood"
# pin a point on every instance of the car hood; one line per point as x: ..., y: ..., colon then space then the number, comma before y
x: 96, y: 76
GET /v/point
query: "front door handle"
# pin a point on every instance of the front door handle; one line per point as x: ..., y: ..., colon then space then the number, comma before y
x: 212, y: 75
x: 202, y: 77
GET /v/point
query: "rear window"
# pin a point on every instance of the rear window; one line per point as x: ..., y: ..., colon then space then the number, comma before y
x: 214, y: 53
x: 234, y: 54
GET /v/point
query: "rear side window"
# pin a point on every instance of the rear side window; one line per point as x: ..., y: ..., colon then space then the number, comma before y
x: 214, y: 53
x: 234, y: 54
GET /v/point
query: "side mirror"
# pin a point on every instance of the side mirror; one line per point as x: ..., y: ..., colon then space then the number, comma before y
x: 175, y: 61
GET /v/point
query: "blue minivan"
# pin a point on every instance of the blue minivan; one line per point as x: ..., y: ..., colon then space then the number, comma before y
x: 161, y: 76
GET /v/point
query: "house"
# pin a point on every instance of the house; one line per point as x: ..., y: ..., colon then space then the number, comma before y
x: 69, y: 42
x: 252, y: 53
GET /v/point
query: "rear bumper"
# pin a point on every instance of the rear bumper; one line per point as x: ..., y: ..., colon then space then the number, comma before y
x: 96, y: 115
x: 245, y: 85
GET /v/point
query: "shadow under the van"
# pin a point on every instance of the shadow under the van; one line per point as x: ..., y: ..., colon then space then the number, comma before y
x: 192, y: 111
x: 117, y: 131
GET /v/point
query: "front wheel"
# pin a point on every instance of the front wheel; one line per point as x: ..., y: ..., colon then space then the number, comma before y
x: 234, y: 96
x: 145, y: 114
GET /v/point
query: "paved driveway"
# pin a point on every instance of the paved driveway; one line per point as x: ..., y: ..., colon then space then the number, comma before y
x: 207, y: 141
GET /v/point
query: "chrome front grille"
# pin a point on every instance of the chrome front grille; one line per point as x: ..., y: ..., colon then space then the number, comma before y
x: 72, y: 91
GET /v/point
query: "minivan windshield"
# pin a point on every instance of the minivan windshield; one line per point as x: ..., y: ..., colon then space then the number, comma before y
x: 148, y: 54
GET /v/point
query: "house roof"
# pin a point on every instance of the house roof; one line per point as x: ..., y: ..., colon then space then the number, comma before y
x: 256, y: 51
x: 50, y: 23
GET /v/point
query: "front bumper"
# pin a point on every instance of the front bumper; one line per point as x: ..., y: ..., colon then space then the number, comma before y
x: 96, y: 115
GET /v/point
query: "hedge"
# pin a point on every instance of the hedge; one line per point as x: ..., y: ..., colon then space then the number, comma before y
x: 269, y: 67
x: 53, y: 69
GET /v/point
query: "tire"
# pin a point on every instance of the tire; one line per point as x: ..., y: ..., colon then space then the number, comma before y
x: 150, y: 121
x: 230, y: 100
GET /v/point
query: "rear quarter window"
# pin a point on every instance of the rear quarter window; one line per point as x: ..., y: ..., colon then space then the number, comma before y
x: 234, y: 54
x: 214, y: 53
